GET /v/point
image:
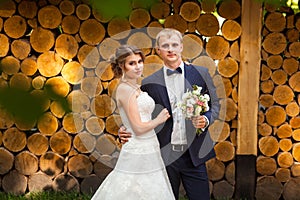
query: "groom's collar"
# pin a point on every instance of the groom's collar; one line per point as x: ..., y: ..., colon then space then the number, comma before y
x: 181, y: 65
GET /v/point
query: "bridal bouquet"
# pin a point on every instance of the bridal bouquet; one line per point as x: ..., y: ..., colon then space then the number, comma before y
x: 194, y: 104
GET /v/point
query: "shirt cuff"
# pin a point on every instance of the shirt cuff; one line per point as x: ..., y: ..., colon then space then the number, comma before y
x: 207, y: 123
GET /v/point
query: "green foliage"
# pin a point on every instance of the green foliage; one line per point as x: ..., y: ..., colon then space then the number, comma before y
x: 112, y: 8
x: 276, y: 3
x: 118, y: 8
x: 25, y: 106
x: 21, y: 104
x: 122, y: 8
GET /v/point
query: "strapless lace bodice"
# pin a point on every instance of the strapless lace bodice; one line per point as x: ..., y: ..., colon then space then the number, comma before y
x: 145, y: 106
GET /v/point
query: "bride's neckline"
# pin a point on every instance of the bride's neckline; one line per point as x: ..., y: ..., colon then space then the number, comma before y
x: 134, y: 86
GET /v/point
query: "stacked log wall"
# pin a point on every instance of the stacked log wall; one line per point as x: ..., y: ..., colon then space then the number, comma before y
x: 64, y: 45
x: 278, y: 121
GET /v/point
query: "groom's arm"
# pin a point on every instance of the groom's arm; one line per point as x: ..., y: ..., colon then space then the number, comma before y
x: 214, y: 100
x: 123, y: 135
x: 214, y: 105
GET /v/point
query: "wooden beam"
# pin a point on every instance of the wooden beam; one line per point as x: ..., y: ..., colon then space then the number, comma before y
x: 248, y: 95
x: 249, y: 74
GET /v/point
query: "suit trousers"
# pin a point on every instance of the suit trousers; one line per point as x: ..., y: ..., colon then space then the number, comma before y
x: 194, y: 178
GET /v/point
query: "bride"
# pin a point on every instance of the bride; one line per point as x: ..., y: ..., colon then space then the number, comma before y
x: 139, y: 173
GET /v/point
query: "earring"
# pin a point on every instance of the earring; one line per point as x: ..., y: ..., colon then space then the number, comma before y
x: 123, y: 77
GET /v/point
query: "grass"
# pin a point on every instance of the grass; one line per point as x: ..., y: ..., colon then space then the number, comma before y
x: 50, y: 195
x: 53, y: 195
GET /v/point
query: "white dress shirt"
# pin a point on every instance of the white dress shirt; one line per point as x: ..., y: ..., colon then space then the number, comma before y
x: 175, y: 89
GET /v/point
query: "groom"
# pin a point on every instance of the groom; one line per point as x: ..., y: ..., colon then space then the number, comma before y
x: 183, y: 152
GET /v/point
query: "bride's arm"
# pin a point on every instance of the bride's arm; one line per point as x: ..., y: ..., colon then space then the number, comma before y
x: 127, y: 98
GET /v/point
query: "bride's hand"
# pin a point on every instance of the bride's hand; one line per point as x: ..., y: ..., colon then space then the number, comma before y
x: 163, y: 115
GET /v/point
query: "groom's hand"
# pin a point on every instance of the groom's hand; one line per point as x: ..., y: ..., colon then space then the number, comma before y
x: 123, y: 135
x: 200, y: 121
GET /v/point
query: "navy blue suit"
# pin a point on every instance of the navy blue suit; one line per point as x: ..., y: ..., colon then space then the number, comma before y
x: 188, y: 166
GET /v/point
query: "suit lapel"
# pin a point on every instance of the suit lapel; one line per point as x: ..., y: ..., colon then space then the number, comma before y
x: 162, y: 90
x: 189, y: 76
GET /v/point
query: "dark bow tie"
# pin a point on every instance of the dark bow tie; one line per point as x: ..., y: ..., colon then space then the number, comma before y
x: 176, y: 71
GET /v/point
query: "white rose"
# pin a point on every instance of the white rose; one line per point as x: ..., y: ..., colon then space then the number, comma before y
x: 197, y: 91
x: 190, y: 102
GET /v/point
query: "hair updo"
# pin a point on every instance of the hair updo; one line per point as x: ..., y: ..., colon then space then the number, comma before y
x: 120, y: 56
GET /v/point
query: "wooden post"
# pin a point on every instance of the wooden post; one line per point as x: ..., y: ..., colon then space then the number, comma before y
x: 249, y: 74
x: 249, y: 77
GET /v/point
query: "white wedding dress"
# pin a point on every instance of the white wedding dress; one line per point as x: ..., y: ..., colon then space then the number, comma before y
x: 139, y: 173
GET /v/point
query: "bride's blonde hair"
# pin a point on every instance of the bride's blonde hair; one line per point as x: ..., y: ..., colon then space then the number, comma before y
x: 118, y: 59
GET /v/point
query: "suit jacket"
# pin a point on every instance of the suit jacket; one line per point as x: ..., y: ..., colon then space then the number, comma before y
x: 201, y: 148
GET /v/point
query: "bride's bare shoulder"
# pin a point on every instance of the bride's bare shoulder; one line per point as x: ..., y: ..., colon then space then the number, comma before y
x: 124, y: 91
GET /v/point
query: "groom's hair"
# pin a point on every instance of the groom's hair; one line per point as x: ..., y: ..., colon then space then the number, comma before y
x: 168, y: 32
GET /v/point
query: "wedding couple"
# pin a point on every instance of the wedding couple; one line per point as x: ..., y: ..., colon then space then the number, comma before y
x: 160, y: 147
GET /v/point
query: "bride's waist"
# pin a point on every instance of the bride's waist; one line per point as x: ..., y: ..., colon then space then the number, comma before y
x: 147, y: 135
x: 145, y: 141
